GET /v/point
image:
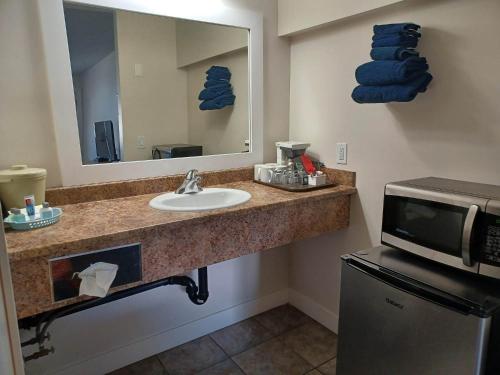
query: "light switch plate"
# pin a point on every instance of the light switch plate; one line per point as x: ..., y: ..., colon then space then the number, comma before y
x: 341, y: 153
x: 140, y: 142
x: 138, y: 71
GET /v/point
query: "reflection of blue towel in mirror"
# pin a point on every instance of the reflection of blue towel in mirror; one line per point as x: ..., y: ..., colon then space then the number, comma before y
x: 218, y: 92
x: 218, y: 72
x: 215, y: 82
x: 217, y: 103
x: 215, y: 91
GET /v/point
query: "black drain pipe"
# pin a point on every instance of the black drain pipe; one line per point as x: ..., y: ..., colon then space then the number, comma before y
x: 197, y: 294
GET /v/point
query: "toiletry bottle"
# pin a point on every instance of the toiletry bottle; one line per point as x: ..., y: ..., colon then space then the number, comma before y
x: 29, y: 201
x: 17, y: 215
x: 46, y: 211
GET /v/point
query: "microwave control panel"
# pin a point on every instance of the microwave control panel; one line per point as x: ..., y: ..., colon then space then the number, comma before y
x: 491, y: 245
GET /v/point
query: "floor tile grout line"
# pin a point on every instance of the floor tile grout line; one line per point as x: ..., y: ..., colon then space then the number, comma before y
x: 223, y: 351
x: 273, y: 336
x: 293, y: 350
x: 165, y: 371
x: 237, y: 365
x: 218, y: 345
x: 231, y: 357
x: 324, y: 363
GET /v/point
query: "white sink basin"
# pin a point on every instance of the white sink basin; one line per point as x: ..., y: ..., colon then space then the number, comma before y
x: 208, y: 199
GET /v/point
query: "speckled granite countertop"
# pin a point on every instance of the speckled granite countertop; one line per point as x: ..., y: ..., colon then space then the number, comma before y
x: 172, y: 242
x: 102, y: 220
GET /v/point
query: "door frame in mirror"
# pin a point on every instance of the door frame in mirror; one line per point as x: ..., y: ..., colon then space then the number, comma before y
x: 55, y: 43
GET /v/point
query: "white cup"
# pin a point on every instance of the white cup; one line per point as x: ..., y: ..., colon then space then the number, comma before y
x: 256, y: 171
x: 265, y: 172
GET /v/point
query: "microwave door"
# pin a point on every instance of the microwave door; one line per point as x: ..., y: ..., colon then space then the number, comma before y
x: 432, y: 224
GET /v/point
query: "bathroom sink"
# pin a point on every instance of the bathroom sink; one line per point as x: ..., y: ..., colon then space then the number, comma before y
x: 208, y: 199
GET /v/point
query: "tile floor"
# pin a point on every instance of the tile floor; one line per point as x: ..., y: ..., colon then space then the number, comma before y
x: 279, y: 341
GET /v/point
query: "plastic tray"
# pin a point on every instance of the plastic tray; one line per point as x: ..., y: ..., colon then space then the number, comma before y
x: 297, y: 187
x: 36, y: 221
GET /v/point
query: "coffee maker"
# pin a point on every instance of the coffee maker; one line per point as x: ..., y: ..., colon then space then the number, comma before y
x: 288, y: 151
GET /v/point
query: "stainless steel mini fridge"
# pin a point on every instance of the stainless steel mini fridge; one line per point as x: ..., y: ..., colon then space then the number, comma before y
x: 404, y: 315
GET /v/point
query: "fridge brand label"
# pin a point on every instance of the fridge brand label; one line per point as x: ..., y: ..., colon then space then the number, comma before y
x: 394, y: 303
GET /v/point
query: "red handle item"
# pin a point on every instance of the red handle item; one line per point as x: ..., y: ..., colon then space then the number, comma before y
x: 308, y: 164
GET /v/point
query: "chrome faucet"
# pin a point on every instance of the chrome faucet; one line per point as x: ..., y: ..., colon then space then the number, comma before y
x: 191, y: 182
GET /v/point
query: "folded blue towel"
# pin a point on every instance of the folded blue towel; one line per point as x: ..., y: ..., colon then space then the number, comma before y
x: 395, y: 28
x: 392, y: 93
x: 216, y: 82
x: 401, y: 34
x: 217, y: 103
x: 392, y: 53
x: 387, y: 72
x: 215, y: 91
x: 396, y: 40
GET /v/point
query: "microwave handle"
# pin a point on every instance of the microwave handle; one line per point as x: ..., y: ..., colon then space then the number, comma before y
x: 467, y: 234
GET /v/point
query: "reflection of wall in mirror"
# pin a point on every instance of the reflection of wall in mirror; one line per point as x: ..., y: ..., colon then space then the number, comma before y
x: 221, y: 131
x: 98, y: 91
x: 197, y: 41
x: 154, y: 104
x: 199, y: 46
x: 161, y: 103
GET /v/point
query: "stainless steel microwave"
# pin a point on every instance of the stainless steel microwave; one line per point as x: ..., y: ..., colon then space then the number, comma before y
x: 452, y: 222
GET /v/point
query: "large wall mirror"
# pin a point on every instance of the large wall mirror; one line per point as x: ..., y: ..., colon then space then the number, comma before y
x: 173, y: 85
x: 150, y: 87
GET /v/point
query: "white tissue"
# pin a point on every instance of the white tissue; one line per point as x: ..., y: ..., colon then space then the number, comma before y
x: 97, y: 279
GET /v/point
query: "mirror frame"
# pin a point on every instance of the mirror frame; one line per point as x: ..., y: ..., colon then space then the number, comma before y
x: 55, y: 43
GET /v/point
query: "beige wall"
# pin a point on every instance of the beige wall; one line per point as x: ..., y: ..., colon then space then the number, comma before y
x: 276, y: 74
x: 222, y: 131
x: 451, y: 131
x: 197, y: 41
x: 154, y: 105
x: 24, y: 111
x: 298, y: 15
x: 26, y: 132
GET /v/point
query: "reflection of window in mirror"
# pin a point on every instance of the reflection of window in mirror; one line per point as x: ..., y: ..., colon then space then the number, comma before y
x: 139, y: 101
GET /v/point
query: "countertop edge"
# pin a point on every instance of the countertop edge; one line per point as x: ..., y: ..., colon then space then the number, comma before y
x: 45, y: 251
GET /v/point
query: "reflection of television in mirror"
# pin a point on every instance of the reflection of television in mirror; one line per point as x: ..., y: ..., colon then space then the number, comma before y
x: 105, y: 142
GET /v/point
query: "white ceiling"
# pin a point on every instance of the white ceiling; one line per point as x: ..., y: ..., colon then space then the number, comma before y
x: 91, y: 35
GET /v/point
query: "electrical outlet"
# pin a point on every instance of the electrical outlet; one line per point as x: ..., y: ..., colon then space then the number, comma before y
x: 341, y: 153
x: 140, y: 142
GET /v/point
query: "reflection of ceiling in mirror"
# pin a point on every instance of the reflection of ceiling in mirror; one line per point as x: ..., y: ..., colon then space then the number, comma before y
x: 97, y: 39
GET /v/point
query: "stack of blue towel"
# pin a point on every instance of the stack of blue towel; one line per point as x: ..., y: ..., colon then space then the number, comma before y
x: 218, y: 91
x: 397, y: 73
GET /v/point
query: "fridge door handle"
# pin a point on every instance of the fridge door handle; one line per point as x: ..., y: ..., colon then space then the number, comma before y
x: 467, y: 235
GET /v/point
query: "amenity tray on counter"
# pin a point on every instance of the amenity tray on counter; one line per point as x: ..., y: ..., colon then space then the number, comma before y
x: 36, y: 221
x: 297, y: 187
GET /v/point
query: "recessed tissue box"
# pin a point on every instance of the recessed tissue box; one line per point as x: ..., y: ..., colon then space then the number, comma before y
x: 317, y: 180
